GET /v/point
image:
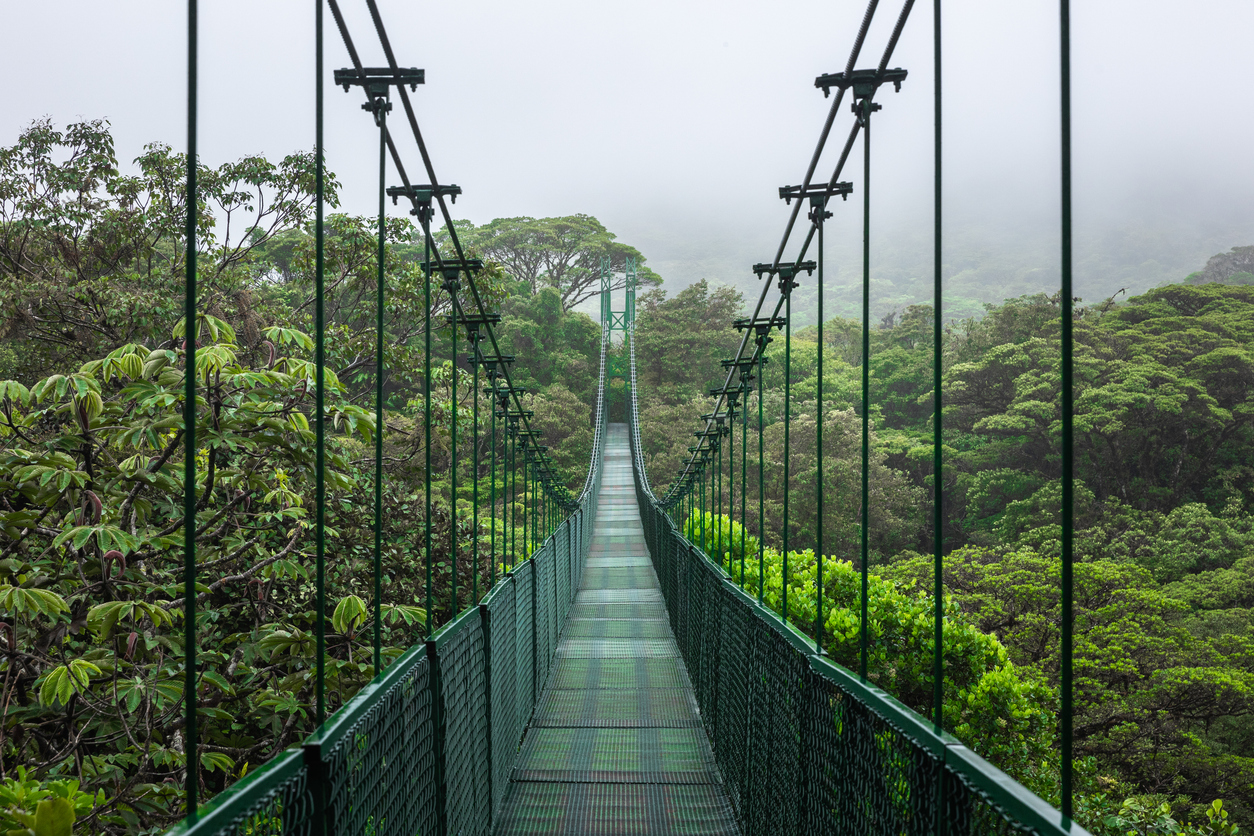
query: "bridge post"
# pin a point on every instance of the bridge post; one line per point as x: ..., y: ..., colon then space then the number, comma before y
x: 437, y: 740
x: 485, y: 618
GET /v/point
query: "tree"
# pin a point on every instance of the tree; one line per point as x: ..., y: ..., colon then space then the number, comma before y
x: 680, y: 341
x: 554, y: 345
x: 91, y: 259
x: 562, y: 253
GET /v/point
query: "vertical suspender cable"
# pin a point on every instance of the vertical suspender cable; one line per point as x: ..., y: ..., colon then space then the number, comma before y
x: 492, y: 480
x: 426, y: 405
x: 787, y: 286
x: 474, y: 465
x: 1067, y: 403
x: 718, y: 468
x: 818, y: 443
x: 744, y: 471
x: 189, y: 432
x: 701, y: 503
x: 320, y: 484
x: 513, y: 497
x: 938, y: 513
x: 381, y: 117
x: 761, y: 460
x: 866, y: 379
x: 704, y: 545
x: 451, y: 287
x: 731, y: 481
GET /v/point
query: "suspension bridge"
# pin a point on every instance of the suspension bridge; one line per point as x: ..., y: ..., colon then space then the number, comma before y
x: 615, y: 679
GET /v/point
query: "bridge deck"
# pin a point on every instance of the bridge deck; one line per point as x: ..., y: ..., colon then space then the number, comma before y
x: 616, y: 744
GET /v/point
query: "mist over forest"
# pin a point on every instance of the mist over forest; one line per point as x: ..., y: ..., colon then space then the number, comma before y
x: 985, y: 261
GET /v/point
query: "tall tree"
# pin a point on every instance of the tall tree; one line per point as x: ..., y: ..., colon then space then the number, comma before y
x: 562, y: 253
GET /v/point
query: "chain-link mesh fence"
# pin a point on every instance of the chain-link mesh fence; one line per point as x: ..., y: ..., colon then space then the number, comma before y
x: 803, y: 745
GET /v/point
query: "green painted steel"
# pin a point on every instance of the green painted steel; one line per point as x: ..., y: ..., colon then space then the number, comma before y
x: 616, y: 743
x: 615, y: 677
x: 1067, y: 408
x: 189, y: 430
x: 804, y: 745
x: 430, y: 744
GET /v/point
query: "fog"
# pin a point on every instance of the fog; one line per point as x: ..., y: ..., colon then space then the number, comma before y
x: 674, y: 123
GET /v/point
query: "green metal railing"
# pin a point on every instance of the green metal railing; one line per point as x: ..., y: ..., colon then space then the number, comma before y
x: 803, y: 742
x: 804, y: 745
x: 428, y: 746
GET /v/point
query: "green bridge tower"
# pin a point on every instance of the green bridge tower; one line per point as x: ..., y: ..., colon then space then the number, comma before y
x: 617, y: 364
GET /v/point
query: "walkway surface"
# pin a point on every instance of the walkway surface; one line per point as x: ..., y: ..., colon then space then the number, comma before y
x: 616, y: 744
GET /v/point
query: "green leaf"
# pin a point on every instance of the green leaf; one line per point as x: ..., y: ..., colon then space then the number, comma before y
x: 54, y: 817
x: 350, y: 613
x: 20, y: 600
x: 218, y: 681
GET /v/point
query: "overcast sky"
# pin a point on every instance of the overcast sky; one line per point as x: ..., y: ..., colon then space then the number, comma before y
x: 675, y: 121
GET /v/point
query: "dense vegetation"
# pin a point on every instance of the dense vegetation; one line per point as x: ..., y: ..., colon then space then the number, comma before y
x: 91, y: 492
x: 91, y: 498
x: 1164, y: 541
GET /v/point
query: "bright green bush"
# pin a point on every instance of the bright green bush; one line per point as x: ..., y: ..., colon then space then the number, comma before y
x: 1000, y: 710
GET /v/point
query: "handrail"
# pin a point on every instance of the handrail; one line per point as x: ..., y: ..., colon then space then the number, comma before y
x: 417, y: 721
x: 836, y: 721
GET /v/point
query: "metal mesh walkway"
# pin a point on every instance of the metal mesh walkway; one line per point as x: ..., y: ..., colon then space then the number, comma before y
x: 616, y: 744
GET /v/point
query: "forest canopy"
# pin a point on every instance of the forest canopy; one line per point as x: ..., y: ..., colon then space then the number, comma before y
x: 1164, y: 534
x: 91, y: 496
x: 92, y: 365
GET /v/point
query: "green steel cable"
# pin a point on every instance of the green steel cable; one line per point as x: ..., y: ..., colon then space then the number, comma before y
x: 938, y: 513
x: 526, y: 506
x: 707, y: 500
x: 506, y: 464
x: 381, y: 116
x: 189, y: 433
x: 787, y: 287
x: 474, y: 455
x: 1068, y: 407
x: 701, y: 474
x: 492, y: 481
x: 513, y: 497
x: 744, y: 471
x: 731, y: 479
x: 450, y: 284
x: 819, y: 216
x: 866, y: 380
x: 426, y: 405
x: 717, y: 518
x: 320, y: 485
x: 761, y: 459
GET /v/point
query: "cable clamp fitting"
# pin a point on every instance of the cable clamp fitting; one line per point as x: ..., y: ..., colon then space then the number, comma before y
x: 863, y: 82
x: 820, y: 193
x: 421, y: 197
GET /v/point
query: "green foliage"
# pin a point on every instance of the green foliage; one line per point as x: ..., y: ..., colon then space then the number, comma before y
x: 562, y: 347
x: 560, y: 253
x: 91, y: 463
x: 680, y: 341
x: 1163, y: 535
x: 29, y: 807
x: 1004, y: 712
